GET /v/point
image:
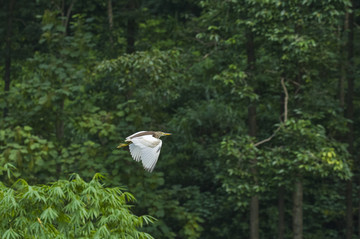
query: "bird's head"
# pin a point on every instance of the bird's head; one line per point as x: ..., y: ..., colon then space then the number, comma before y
x: 158, y: 134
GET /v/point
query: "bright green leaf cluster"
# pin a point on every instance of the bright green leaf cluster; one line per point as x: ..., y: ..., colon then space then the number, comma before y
x: 68, y: 209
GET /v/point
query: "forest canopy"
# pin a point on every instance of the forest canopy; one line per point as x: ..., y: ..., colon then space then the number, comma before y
x: 261, y: 98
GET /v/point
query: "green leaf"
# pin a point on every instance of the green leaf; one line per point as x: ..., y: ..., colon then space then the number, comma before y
x: 10, y: 234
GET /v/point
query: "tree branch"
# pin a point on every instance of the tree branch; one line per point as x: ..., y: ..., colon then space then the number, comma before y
x: 67, y: 18
x: 268, y: 139
x: 286, y: 99
x: 110, y: 15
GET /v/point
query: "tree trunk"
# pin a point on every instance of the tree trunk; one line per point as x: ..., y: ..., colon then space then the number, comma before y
x: 59, y: 130
x: 131, y: 28
x: 110, y: 15
x: 350, y: 82
x: 298, y: 211
x: 281, y: 209
x: 7, y: 73
x: 111, y: 24
x: 342, y: 63
x: 281, y: 190
x: 254, y: 203
x: 59, y: 123
x: 298, y: 198
x: 254, y: 217
x: 252, y: 120
x: 359, y: 212
x: 350, y: 115
x: 66, y: 18
x: 349, y: 210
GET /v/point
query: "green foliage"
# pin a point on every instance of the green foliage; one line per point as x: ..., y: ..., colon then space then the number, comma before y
x: 29, y: 153
x: 300, y: 149
x: 314, y: 153
x: 150, y: 74
x: 76, y: 92
x: 68, y: 209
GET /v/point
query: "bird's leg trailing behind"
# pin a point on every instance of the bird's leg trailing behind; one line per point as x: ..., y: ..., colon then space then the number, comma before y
x: 122, y: 145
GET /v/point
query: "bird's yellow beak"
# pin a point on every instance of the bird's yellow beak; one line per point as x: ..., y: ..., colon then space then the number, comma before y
x: 166, y: 134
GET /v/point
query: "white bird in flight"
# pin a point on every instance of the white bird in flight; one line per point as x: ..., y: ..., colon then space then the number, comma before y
x: 145, y: 146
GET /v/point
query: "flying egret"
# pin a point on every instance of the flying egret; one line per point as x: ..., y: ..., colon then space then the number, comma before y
x: 145, y: 146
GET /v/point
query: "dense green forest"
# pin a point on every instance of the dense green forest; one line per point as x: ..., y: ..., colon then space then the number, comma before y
x: 262, y: 98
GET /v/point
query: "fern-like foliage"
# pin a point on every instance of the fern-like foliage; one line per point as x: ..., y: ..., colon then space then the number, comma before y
x: 68, y: 209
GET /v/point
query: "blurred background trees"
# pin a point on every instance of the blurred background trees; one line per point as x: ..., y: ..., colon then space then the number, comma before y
x: 261, y: 98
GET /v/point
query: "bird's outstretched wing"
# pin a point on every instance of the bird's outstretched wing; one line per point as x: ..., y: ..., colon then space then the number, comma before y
x: 147, y: 149
x: 150, y: 156
x: 131, y: 136
x: 135, y: 151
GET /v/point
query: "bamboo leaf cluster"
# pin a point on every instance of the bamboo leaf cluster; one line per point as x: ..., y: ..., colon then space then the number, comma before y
x: 69, y: 209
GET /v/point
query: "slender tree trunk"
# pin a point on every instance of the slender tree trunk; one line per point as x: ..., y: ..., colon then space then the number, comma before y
x: 298, y: 210
x: 59, y: 130
x: 8, y: 40
x: 359, y: 215
x: 59, y: 123
x: 66, y: 17
x: 254, y: 203
x: 281, y: 190
x: 281, y: 209
x: 297, y: 217
x: 342, y: 79
x: 111, y: 23
x: 342, y: 53
x: 131, y: 28
x: 252, y: 120
x: 349, y: 210
x: 359, y: 212
x: 350, y: 115
x: 110, y: 14
x: 350, y: 81
x: 254, y: 217
x: 298, y: 202
x: 298, y: 193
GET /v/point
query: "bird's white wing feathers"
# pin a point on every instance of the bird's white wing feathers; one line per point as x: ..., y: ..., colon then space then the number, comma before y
x: 135, y: 152
x: 128, y: 138
x: 150, y: 156
x: 147, y: 149
x: 146, y: 140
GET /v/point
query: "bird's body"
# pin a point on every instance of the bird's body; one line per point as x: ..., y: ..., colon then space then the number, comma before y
x: 145, y: 146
